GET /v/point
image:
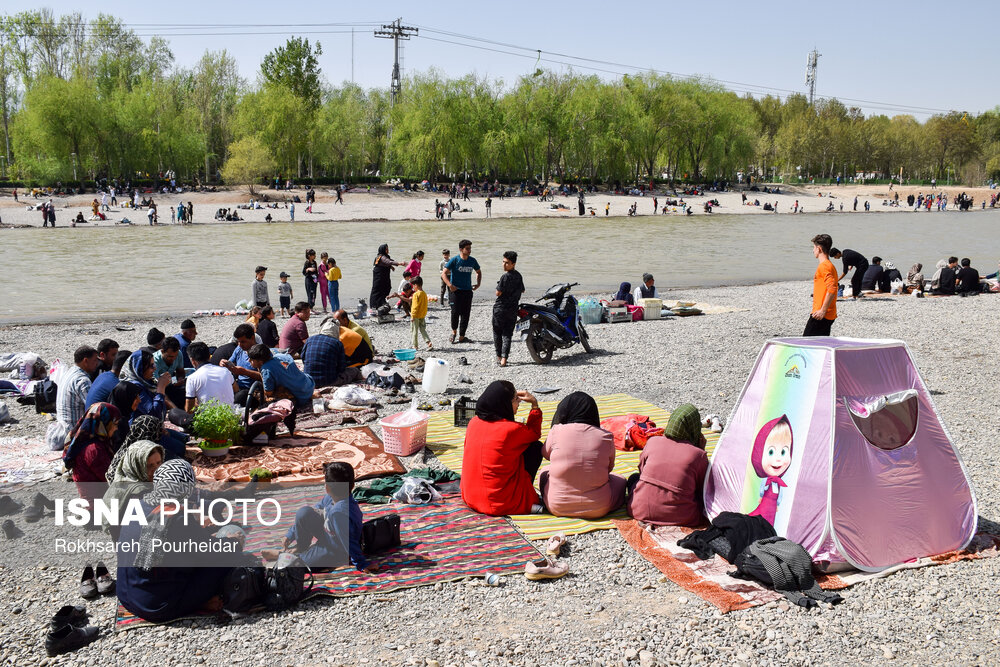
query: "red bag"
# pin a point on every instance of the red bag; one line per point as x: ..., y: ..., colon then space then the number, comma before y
x: 631, y: 431
x: 637, y: 313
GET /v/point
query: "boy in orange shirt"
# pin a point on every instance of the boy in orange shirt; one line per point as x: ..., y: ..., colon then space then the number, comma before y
x: 418, y: 312
x: 824, y: 308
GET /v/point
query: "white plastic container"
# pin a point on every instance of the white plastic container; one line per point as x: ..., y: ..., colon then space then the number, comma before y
x: 650, y: 308
x: 435, y: 376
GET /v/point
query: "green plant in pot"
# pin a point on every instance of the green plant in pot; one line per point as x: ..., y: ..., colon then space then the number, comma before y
x: 261, y: 475
x: 217, y: 423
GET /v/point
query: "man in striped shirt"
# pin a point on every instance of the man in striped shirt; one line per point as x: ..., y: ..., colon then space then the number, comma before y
x: 71, y: 397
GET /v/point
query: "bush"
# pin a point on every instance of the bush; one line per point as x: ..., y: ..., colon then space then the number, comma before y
x: 216, y: 421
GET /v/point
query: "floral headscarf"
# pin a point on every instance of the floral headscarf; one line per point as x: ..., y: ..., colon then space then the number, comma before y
x: 95, y: 426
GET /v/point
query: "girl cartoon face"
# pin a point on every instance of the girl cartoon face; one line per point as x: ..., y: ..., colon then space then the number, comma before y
x: 772, y: 451
x: 777, y: 454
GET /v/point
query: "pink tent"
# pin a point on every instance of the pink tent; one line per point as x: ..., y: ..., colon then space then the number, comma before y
x: 837, y: 443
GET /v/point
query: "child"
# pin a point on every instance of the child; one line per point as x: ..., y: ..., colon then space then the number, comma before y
x: 418, y: 312
x: 404, y: 293
x: 333, y: 276
x: 266, y: 328
x: 258, y: 289
x: 285, y: 295
x: 445, y: 258
x: 334, y: 523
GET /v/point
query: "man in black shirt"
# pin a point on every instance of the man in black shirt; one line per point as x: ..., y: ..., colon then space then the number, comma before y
x: 873, y: 275
x: 851, y: 260
x: 968, y: 278
x: 510, y: 287
x: 949, y: 276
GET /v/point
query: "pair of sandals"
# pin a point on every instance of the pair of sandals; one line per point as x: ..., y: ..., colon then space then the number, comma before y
x: 96, y: 581
x: 548, y: 567
x: 461, y: 339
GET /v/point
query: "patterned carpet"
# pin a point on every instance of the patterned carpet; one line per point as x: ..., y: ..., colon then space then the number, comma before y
x: 448, y: 441
x: 441, y: 542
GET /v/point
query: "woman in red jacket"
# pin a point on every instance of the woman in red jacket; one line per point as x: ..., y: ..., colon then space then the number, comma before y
x: 502, y: 456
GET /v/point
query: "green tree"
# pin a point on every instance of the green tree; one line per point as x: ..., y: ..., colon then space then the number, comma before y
x: 249, y: 163
x: 296, y: 66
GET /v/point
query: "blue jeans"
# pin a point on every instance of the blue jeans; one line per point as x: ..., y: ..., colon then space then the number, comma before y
x: 324, y: 552
x: 333, y: 287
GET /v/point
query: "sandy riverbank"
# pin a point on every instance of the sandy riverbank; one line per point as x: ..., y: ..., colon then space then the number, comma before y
x: 613, y: 604
x: 386, y: 205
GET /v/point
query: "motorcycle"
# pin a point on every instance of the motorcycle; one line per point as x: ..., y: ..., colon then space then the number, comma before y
x: 544, y: 328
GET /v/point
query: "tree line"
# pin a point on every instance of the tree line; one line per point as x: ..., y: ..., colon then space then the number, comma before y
x: 88, y: 99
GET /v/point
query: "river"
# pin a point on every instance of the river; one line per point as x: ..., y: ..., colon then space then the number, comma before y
x: 83, y: 273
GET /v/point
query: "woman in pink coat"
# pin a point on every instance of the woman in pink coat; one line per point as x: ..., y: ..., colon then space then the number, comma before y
x: 579, y: 482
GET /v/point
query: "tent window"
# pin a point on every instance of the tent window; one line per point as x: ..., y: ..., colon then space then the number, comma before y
x: 887, y: 422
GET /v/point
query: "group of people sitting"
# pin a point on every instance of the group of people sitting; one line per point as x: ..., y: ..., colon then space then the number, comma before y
x: 502, y: 457
x: 646, y: 290
x: 950, y: 277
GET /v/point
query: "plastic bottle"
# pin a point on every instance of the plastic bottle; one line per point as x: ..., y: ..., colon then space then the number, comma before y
x: 435, y: 376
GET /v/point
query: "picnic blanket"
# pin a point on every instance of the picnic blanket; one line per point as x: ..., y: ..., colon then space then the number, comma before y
x: 440, y: 542
x: 710, y: 580
x: 448, y: 443
x: 27, y: 461
x: 300, y: 457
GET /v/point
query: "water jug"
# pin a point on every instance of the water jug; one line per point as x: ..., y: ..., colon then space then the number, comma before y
x: 435, y: 376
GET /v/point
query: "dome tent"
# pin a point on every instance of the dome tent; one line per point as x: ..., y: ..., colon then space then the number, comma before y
x: 837, y: 443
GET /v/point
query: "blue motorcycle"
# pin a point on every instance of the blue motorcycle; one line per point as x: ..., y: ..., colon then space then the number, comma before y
x: 544, y: 328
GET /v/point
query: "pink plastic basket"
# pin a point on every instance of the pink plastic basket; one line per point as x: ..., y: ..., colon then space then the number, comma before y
x: 403, y: 440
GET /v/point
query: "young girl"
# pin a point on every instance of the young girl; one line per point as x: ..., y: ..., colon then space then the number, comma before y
x: 771, y: 457
x: 323, y: 268
x: 333, y: 277
x: 415, y: 264
x: 309, y: 270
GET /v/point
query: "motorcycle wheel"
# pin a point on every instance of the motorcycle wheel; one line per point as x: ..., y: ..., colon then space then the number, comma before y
x: 584, y: 339
x: 539, y: 348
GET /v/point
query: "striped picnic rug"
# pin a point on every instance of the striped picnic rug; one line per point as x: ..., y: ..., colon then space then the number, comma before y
x: 448, y: 443
x: 439, y: 542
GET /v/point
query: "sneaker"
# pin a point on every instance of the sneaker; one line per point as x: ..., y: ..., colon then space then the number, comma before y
x: 73, y: 615
x: 105, y: 582
x: 409, y: 388
x: 41, y: 500
x: 462, y: 361
x: 67, y: 638
x: 547, y: 568
x: 88, y: 585
x: 555, y: 544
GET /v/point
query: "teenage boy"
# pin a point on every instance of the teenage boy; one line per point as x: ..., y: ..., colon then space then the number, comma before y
x: 258, y: 289
x: 107, y: 350
x: 824, y: 308
x: 239, y: 362
x: 208, y: 381
x: 445, y: 258
x: 279, y: 372
x: 852, y: 260
x: 510, y: 287
x: 457, y: 274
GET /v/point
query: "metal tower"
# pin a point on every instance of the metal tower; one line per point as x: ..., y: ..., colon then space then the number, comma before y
x: 811, y: 62
x: 396, y: 31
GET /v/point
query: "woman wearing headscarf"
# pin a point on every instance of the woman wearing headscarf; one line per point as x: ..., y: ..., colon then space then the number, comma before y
x: 625, y: 294
x: 502, y: 455
x: 155, y: 586
x: 139, y: 371
x: 667, y: 489
x: 130, y: 473
x: 914, y: 278
x: 939, y: 268
x: 125, y: 396
x: 381, y: 276
x: 579, y: 483
x: 89, y: 449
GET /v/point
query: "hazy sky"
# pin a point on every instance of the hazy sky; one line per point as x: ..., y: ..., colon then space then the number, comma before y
x: 887, y: 57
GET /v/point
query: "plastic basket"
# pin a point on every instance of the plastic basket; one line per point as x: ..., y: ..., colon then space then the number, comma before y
x: 650, y: 308
x: 465, y: 410
x: 405, y: 354
x: 403, y: 440
x: 591, y: 313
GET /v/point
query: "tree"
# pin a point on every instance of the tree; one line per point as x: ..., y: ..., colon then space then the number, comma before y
x: 249, y: 163
x: 295, y: 65
x: 214, y: 91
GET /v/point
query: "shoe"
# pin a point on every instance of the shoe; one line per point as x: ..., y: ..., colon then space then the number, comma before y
x: 451, y: 339
x: 10, y: 531
x: 555, y: 544
x: 537, y: 509
x: 88, y: 586
x: 462, y: 361
x: 464, y: 379
x: 47, y: 504
x: 67, y: 638
x: 409, y: 388
x: 8, y: 506
x: 72, y: 615
x: 716, y: 426
x: 547, y: 568
x: 105, y: 582
x: 463, y: 339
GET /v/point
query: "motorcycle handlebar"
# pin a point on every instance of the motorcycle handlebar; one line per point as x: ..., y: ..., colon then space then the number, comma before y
x: 568, y: 285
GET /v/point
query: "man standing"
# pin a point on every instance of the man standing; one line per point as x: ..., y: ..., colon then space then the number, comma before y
x: 851, y: 260
x: 445, y: 257
x: 71, y: 397
x: 510, y: 287
x: 208, y: 381
x: 294, y: 333
x: 186, y: 336
x: 824, y: 308
x: 489, y: 206
x: 457, y: 274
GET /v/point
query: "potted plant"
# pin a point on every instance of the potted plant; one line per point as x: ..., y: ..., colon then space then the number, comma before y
x: 261, y: 475
x: 217, y: 424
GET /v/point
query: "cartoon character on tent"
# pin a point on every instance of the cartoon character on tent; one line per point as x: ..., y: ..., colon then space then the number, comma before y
x: 771, y: 457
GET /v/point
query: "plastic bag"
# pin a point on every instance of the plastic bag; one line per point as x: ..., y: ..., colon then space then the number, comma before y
x: 417, y: 491
x: 354, y: 395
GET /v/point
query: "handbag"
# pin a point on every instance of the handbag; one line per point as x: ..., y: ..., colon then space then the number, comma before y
x: 242, y: 588
x: 380, y: 534
x: 284, y: 582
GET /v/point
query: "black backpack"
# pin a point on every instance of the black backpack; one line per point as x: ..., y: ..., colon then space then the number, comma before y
x: 284, y: 582
x: 380, y: 534
x: 242, y: 588
x: 45, y: 396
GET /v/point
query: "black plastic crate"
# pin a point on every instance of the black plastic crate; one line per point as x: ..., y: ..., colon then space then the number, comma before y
x: 465, y: 410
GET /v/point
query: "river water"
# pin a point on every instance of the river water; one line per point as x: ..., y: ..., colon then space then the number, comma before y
x: 70, y: 274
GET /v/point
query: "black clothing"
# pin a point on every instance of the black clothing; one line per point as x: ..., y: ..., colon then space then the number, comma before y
x: 461, y: 308
x: 577, y: 408
x: 948, y: 279
x: 311, y: 278
x: 268, y: 332
x: 532, y: 458
x: 496, y: 402
x: 381, y: 281
x: 872, y: 277
x: 968, y: 279
x: 503, y: 330
x: 816, y: 327
x: 223, y: 352
x: 888, y: 278
x: 728, y: 536
x: 854, y: 259
x: 511, y: 287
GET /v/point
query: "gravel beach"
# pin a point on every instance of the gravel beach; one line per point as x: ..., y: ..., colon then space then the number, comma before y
x: 614, y: 608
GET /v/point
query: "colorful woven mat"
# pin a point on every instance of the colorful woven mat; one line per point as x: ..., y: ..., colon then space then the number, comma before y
x: 448, y: 443
x: 440, y: 542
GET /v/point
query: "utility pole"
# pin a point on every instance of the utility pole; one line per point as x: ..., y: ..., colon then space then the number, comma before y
x: 396, y: 31
x: 811, y: 62
x: 352, y: 55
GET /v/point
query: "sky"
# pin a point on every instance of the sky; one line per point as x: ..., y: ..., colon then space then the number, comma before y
x: 885, y: 57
